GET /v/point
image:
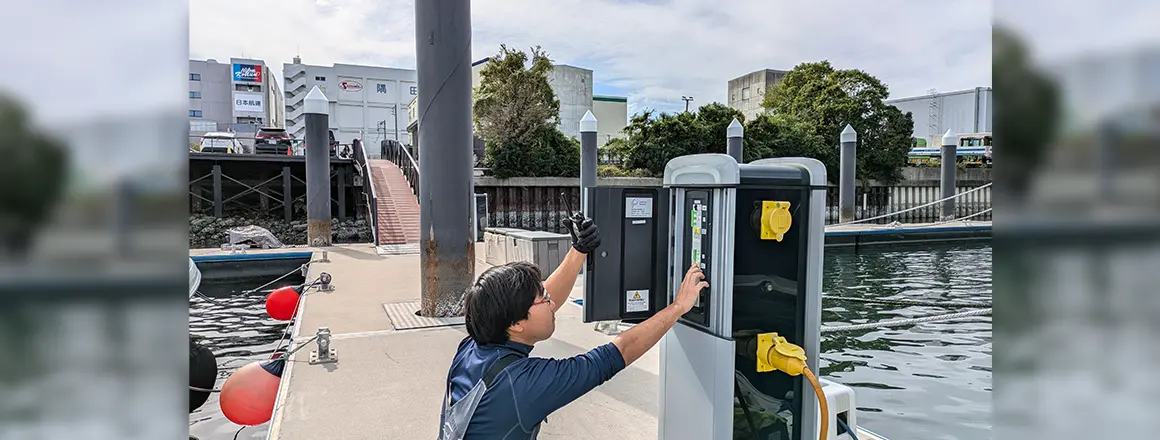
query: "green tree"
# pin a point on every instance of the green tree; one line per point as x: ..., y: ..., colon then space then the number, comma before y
x: 514, y: 101
x: 772, y: 135
x: 653, y: 141
x: 1027, y: 112
x: 828, y: 99
x: 34, y: 173
x: 516, y: 114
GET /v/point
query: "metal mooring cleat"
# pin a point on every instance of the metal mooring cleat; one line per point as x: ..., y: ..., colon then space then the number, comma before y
x: 325, y: 353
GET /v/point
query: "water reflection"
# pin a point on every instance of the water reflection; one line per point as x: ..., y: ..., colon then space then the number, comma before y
x: 924, y: 381
x: 64, y: 363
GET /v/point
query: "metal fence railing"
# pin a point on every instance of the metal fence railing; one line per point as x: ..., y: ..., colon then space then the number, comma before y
x: 397, y: 153
x: 370, y: 197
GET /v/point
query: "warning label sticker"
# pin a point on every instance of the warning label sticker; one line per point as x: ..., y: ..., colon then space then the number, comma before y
x: 636, y: 301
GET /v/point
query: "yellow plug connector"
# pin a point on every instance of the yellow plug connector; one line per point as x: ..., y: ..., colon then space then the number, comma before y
x: 776, y: 353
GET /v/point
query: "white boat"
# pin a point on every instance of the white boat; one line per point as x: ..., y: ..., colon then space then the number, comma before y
x: 194, y: 278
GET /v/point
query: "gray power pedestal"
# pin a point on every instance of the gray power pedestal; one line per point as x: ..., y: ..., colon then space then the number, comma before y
x: 757, y: 231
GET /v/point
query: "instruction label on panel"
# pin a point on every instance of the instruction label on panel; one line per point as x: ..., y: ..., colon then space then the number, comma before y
x: 638, y: 207
x: 636, y: 301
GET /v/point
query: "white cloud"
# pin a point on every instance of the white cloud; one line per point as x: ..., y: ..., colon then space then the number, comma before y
x: 74, y: 60
x: 655, y: 51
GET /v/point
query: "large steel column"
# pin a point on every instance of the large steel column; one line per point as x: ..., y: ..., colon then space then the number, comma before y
x: 317, y: 108
x: 948, y: 167
x: 443, y: 59
x: 734, y: 136
x: 848, y: 163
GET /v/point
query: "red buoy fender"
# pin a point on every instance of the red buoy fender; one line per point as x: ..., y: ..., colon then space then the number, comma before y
x: 247, y: 398
x: 282, y: 303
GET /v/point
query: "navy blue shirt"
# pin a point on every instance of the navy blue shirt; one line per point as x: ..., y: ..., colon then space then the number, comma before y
x: 529, y: 389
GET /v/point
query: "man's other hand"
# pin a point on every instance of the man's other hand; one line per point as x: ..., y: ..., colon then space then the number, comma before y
x: 585, y: 234
x: 691, y: 288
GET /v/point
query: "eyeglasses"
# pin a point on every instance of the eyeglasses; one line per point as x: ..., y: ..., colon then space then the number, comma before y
x: 544, y: 298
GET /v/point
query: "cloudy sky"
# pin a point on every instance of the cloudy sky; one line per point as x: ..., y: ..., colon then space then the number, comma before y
x: 652, y: 51
x: 120, y: 58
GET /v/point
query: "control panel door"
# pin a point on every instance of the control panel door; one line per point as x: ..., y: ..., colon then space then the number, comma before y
x: 626, y: 277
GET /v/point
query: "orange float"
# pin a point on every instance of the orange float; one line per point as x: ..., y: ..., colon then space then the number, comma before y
x: 247, y: 398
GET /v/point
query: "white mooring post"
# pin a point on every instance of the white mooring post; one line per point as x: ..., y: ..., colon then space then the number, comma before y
x: 948, y: 167
x: 848, y: 164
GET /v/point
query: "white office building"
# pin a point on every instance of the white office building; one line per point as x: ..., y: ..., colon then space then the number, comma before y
x: 961, y: 111
x: 238, y: 96
x: 366, y: 102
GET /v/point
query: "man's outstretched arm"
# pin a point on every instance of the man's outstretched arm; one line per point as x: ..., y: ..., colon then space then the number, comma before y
x: 585, y: 239
x: 545, y: 385
x: 634, y: 342
x: 559, y: 284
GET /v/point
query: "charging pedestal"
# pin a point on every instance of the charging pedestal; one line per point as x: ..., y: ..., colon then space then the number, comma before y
x: 757, y: 231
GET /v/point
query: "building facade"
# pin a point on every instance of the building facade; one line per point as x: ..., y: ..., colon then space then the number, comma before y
x: 366, y: 102
x: 238, y: 96
x: 963, y: 111
x: 746, y: 92
x: 611, y: 114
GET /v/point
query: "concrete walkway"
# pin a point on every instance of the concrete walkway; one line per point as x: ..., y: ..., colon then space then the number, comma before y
x: 388, y: 383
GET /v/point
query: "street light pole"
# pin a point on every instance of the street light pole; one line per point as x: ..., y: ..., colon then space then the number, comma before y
x: 687, y: 100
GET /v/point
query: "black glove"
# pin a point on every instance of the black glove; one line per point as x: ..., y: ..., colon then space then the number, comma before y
x: 585, y: 234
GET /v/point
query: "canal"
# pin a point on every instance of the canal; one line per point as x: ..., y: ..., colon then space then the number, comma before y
x: 930, y: 381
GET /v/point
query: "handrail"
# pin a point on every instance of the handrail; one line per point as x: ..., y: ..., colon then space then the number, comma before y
x: 407, y: 165
x: 414, y: 163
x: 914, y: 208
x: 372, y: 202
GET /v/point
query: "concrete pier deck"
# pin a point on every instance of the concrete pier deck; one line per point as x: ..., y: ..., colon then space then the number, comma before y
x: 388, y: 381
x: 392, y: 365
x: 861, y: 234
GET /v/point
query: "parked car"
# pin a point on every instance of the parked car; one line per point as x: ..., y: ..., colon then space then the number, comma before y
x: 221, y: 143
x: 299, y: 148
x: 273, y: 140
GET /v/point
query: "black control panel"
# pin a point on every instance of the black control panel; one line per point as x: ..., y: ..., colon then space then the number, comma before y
x: 626, y: 276
x: 698, y: 247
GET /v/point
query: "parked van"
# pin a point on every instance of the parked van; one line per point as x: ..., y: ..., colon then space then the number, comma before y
x: 221, y: 143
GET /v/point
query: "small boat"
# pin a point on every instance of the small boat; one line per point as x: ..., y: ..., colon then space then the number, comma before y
x: 194, y: 278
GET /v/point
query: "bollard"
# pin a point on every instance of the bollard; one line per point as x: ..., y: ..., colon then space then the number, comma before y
x: 948, y: 158
x: 588, y: 165
x: 317, y: 110
x: 734, y: 135
x: 849, y: 162
x: 324, y: 353
x: 447, y: 249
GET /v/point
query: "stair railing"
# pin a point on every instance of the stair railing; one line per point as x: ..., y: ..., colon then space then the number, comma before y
x: 397, y: 153
x: 372, y: 202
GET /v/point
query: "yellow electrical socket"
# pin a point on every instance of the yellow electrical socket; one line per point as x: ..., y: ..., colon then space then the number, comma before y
x: 775, y: 220
x: 775, y: 353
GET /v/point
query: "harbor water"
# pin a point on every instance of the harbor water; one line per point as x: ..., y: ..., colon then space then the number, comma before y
x: 234, y: 324
x: 926, y: 381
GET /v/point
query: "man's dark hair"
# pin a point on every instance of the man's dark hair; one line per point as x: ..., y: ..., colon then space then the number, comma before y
x: 499, y: 298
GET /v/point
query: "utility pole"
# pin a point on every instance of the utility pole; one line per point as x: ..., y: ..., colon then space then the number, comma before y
x: 687, y: 100
x: 395, y: 113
